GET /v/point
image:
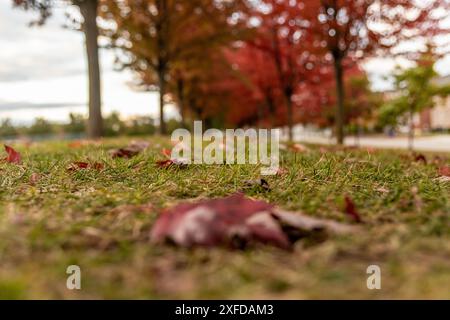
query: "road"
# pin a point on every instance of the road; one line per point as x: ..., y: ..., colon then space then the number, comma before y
x: 435, y: 143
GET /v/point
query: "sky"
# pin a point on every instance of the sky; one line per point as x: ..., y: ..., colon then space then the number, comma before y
x: 43, y: 72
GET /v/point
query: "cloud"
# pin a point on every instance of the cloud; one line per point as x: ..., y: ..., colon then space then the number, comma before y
x: 37, y: 52
x: 9, y: 106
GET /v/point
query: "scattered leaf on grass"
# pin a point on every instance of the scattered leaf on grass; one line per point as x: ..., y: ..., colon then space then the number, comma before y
x: 34, y: 178
x: 13, y: 156
x: 166, y: 152
x: 282, y: 171
x: 297, y: 147
x: 236, y: 222
x: 444, y: 174
x: 79, y: 165
x: 383, y: 190
x: 442, y: 179
x: 180, y: 163
x: 75, y: 144
x: 444, y: 171
x: 133, y: 149
x: 350, y: 210
x: 420, y: 158
x: 260, y: 183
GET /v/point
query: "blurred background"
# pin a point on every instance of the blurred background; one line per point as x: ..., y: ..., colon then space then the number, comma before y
x: 318, y: 69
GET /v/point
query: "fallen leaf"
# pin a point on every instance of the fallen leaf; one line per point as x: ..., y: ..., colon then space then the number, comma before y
x: 444, y: 171
x: 235, y: 221
x: 420, y: 158
x: 298, y: 225
x: 442, y: 179
x: 260, y: 183
x: 350, y: 210
x: 133, y: 149
x: 98, y: 166
x: 180, y: 163
x: 78, y: 165
x: 282, y: 171
x: 439, y: 160
x: 166, y: 152
x: 34, y: 178
x: 297, y: 147
x: 75, y: 144
x: 382, y: 190
x: 139, y: 145
x: 13, y: 156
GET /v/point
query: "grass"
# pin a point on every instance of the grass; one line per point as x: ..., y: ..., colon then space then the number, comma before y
x: 87, y: 218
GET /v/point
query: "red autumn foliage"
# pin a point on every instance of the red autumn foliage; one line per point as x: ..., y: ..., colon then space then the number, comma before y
x: 13, y: 156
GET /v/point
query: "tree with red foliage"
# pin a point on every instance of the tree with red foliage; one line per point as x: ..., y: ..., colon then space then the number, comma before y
x: 255, y: 86
x: 351, y: 30
x: 282, y: 35
x: 156, y: 37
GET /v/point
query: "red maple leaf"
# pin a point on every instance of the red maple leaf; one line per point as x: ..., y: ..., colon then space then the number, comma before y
x: 236, y: 221
x: 13, y: 155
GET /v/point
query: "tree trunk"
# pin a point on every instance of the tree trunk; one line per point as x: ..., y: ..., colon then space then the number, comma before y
x: 180, y: 93
x: 88, y: 9
x: 290, y: 118
x: 162, y: 91
x: 340, y: 95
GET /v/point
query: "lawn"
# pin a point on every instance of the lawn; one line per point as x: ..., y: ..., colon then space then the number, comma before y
x: 51, y: 217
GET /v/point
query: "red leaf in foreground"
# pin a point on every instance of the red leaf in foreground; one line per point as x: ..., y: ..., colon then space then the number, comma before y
x: 234, y: 221
x: 13, y: 155
x: 350, y: 209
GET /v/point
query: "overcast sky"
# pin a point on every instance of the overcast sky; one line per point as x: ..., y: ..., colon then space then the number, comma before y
x: 43, y: 72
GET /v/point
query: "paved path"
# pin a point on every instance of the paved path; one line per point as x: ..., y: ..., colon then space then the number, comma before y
x: 435, y: 143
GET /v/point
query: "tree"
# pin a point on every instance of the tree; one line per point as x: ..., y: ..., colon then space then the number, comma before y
x: 352, y: 30
x: 88, y: 10
x: 156, y: 36
x: 282, y: 36
x: 416, y: 92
